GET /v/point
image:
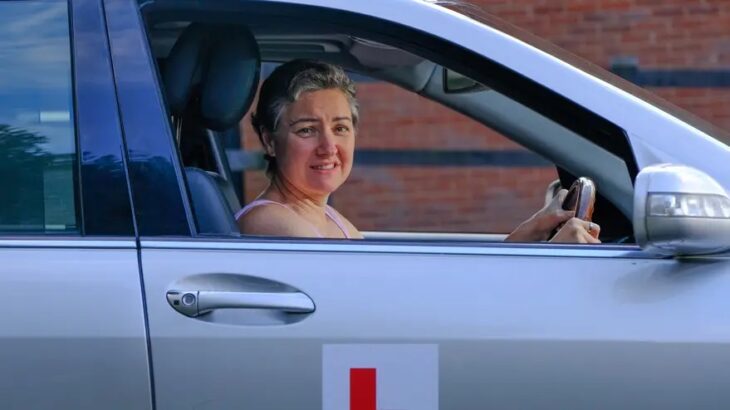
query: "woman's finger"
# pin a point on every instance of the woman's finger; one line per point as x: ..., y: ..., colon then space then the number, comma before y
x: 589, y: 236
x: 591, y: 239
x: 593, y: 229
x: 560, y: 196
x: 561, y: 216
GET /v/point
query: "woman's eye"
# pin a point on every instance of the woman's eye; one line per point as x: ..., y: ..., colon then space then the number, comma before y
x: 342, y: 129
x: 306, y: 132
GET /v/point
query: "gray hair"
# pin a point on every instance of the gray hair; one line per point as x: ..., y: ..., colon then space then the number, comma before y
x: 287, y: 83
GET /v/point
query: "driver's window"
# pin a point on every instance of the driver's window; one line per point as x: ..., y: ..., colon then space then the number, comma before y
x: 423, y: 167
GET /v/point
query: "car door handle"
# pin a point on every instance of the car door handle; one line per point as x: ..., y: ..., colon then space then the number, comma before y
x: 196, y: 303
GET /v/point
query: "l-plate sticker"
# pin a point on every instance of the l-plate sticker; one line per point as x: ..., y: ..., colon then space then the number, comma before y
x: 380, y: 377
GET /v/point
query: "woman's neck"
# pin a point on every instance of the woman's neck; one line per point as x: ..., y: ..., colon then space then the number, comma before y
x: 282, y: 191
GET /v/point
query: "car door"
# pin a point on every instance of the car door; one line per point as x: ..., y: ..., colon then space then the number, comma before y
x: 73, y: 334
x: 290, y: 323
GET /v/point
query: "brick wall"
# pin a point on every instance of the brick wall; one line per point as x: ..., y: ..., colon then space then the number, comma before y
x: 664, y: 34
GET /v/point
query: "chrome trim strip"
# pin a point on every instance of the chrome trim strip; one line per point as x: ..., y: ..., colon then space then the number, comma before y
x: 410, y: 236
x: 499, y: 249
x: 77, y: 243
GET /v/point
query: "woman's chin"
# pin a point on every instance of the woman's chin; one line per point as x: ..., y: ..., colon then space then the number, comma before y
x: 324, y: 187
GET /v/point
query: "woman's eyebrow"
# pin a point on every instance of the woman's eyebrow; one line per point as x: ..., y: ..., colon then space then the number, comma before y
x: 308, y: 119
x: 304, y: 119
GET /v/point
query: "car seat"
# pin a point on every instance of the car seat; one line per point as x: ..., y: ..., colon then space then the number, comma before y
x: 210, y: 77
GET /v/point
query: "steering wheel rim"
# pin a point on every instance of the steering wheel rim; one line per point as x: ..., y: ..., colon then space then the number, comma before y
x: 581, y: 198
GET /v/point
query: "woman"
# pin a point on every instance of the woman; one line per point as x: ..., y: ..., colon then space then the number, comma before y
x: 306, y: 119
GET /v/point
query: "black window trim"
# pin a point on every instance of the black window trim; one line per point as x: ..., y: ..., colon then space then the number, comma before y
x: 103, y: 183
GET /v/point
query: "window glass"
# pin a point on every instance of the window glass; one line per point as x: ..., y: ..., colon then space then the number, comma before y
x: 37, y: 149
x: 422, y: 167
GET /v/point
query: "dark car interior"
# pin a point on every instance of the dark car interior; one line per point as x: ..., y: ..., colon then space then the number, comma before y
x: 210, y: 79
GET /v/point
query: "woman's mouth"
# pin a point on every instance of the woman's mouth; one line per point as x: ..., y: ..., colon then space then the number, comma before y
x: 324, y: 167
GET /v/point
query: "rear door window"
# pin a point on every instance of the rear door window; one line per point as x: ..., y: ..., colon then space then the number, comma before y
x: 37, y: 135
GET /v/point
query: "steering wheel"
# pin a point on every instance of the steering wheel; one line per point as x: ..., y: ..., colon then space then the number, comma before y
x: 615, y: 226
x: 581, y: 198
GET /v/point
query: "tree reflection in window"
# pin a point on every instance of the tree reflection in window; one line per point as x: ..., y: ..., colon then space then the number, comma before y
x: 30, y: 173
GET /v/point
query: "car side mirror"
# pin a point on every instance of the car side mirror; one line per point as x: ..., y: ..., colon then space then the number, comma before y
x: 679, y: 210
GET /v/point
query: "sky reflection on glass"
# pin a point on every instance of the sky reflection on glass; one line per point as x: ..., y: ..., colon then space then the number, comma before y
x: 35, y: 71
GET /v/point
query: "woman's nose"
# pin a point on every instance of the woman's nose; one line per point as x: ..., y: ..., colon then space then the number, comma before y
x: 327, y: 144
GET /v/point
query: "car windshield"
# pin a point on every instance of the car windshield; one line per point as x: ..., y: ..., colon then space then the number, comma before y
x: 478, y: 14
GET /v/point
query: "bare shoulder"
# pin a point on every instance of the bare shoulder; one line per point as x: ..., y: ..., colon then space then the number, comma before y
x: 351, y: 229
x: 274, y: 220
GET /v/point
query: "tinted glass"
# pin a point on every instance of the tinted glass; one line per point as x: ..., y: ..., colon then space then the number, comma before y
x: 37, y: 149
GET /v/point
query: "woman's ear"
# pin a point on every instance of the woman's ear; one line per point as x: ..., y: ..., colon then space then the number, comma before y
x: 268, y: 140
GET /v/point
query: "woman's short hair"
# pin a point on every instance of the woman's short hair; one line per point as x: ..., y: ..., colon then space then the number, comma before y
x: 284, y: 86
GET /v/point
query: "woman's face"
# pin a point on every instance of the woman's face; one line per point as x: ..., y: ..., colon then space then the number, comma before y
x: 315, y: 142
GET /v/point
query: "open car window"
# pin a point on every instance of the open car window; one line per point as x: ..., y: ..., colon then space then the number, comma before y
x: 429, y: 160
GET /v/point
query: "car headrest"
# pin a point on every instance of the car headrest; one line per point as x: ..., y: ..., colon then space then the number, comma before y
x: 222, y: 63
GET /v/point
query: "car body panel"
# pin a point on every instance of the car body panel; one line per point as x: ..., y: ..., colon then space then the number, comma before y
x: 74, y: 334
x: 589, y: 328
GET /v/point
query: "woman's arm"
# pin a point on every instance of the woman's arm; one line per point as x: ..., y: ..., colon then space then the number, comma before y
x: 274, y: 221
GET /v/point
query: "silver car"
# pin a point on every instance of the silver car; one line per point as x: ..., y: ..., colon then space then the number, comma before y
x: 128, y: 286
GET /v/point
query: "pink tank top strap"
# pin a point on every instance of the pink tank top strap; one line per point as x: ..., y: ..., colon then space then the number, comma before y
x: 337, y: 220
x: 329, y: 211
x: 260, y: 202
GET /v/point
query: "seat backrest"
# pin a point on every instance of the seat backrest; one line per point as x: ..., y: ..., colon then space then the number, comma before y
x: 211, y: 76
x: 212, y: 213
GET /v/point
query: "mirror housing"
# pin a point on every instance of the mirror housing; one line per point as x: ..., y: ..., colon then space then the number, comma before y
x: 679, y: 210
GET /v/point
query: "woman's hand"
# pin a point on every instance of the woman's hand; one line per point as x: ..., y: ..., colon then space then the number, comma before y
x: 551, y: 217
x: 578, y: 231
